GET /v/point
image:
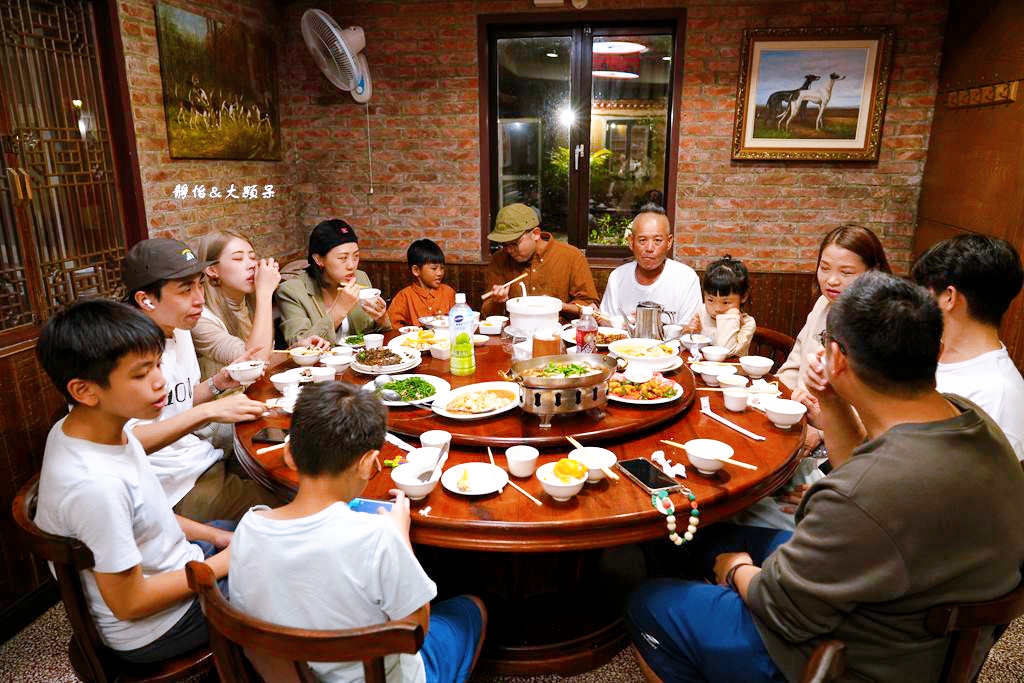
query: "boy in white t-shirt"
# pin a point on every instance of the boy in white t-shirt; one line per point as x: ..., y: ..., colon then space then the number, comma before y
x: 97, y: 486
x: 164, y: 280
x: 316, y: 564
x: 974, y: 279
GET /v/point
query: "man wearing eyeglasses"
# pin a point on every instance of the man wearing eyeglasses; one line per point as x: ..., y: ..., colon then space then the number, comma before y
x: 552, y: 268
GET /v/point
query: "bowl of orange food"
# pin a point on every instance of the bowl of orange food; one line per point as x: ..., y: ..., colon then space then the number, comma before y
x: 563, y: 479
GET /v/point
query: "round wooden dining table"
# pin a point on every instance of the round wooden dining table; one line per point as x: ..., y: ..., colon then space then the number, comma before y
x: 539, y: 568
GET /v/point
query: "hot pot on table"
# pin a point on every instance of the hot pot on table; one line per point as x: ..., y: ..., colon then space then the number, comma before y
x: 550, y: 396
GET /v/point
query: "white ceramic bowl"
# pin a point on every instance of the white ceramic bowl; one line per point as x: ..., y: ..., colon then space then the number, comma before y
x: 368, y: 293
x: 695, y: 341
x: 715, y: 353
x: 440, y: 351
x: 284, y: 380
x: 302, y: 356
x: 435, y: 438
x: 489, y: 327
x: 405, y: 475
x: 710, y: 373
x: 373, y: 341
x: 554, y: 487
x: 342, y: 351
x: 423, y: 457
x: 673, y: 331
x: 522, y: 460
x: 736, y: 401
x: 732, y: 381
x: 627, y: 348
x: 497, y: 319
x: 706, y: 454
x: 594, y: 458
x: 246, y: 372
x: 783, y: 412
x: 337, y: 361
x: 325, y: 374
x: 756, y: 366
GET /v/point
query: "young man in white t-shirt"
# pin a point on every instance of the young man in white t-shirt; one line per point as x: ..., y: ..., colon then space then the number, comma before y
x: 974, y: 279
x: 316, y: 564
x: 164, y: 280
x: 652, y: 276
x: 97, y: 486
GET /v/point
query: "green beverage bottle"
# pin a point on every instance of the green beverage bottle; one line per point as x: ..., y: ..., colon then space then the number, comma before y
x: 460, y: 337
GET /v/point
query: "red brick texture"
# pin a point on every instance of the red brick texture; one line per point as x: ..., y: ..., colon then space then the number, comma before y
x: 425, y: 135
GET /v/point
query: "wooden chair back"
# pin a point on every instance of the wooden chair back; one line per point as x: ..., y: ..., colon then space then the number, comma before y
x: 973, y: 628
x: 771, y: 344
x: 248, y: 649
x: 91, y: 659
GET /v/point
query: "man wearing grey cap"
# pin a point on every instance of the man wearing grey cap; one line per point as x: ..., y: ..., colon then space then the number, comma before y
x: 164, y: 281
x: 552, y: 268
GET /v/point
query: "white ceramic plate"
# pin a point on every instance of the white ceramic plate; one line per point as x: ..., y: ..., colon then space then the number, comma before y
x: 569, y: 334
x: 676, y: 363
x: 412, y: 357
x: 439, y: 406
x: 441, y: 387
x: 484, y: 478
x: 643, y: 402
x: 397, y: 342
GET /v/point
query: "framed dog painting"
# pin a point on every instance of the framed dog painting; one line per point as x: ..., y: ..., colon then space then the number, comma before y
x: 812, y: 93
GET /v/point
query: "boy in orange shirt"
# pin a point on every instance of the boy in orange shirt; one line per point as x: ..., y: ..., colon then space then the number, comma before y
x: 427, y: 295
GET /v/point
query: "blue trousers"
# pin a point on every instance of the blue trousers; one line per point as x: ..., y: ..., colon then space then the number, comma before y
x: 456, y: 629
x: 690, y: 631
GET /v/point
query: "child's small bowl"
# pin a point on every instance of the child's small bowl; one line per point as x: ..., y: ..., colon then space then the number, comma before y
x: 715, y: 353
x: 373, y: 341
x: 368, y: 293
x: 522, y: 460
x: 756, y: 366
x: 325, y: 374
x: 736, y: 401
x: 554, y: 486
x: 440, y: 351
x: 246, y: 372
x: 304, y: 355
x: 594, y: 458
x: 405, y: 477
x: 707, y: 454
x: 732, y: 381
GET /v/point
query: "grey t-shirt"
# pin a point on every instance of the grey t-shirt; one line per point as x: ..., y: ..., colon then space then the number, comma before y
x: 923, y: 515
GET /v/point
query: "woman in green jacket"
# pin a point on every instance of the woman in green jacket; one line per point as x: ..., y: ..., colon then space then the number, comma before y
x: 324, y: 300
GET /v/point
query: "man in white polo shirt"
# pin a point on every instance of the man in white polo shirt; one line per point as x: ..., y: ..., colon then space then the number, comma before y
x: 652, y: 276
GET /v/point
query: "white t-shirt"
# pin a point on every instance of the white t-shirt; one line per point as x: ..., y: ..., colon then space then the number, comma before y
x: 677, y: 289
x: 336, y: 569
x: 180, y: 464
x: 108, y: 498
x: 994, y: 383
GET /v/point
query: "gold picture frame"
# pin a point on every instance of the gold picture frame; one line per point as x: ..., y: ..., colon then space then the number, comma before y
x: 814, y: 94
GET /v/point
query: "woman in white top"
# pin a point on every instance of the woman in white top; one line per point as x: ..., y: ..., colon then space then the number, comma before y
x: 238, y: 315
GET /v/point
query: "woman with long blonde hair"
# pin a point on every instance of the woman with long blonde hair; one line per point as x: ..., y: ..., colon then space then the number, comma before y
x: 238, y: 314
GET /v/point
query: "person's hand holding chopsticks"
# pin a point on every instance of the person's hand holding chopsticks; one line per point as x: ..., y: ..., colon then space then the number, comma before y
x: 500, y: 292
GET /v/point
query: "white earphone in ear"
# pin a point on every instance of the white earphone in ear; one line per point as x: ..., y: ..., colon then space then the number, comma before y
x: 148, y: 304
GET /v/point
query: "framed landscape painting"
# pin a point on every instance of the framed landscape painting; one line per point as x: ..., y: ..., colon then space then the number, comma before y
x: 220, y: 92
x: 812, y: 93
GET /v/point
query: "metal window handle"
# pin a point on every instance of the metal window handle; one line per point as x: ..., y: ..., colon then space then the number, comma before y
x: 28, y: 183
x: 15, y: 184
x: 577, y: 155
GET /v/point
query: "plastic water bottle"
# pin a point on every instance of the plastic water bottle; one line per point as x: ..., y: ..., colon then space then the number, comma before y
x: 460, y: 337
x: 586, y: 331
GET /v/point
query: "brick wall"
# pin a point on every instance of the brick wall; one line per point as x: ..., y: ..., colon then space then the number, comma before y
x: 424, y: 131
x: 271, y: 222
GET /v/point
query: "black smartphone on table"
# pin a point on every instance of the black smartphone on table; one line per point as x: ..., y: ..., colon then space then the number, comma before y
x: 647, y: 476
x: 270, y: 435
x: 369, y: 505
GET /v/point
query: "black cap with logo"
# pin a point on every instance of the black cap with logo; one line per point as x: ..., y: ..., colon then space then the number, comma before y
x: 160, y: 259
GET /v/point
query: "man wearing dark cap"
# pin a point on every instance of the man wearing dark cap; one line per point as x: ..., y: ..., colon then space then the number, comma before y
x: 552, y: 268
x: 164, y: 281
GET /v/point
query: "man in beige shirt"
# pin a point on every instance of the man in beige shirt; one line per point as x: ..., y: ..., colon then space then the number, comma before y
x: 552, y: 268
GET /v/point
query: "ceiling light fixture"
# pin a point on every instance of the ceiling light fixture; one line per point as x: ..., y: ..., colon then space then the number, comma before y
x: 617, y: 47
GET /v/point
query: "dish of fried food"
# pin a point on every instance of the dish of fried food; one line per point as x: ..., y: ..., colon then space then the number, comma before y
x: 603, y: 338
x: 476, y: 402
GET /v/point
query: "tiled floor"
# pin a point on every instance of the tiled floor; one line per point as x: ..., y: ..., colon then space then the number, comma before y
x: 38, y: 654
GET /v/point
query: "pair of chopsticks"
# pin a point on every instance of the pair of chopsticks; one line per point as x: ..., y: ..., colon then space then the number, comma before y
x: 607, y: 472
x: 488, y: 295
x: 728, y: 460
x: 514, y: 485
x: 267, y: 449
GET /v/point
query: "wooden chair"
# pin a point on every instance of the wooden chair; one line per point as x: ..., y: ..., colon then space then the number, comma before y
x: 250, y: 650
x: 771, y: 344
x: 92, y: 661
x: 827, y: 663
